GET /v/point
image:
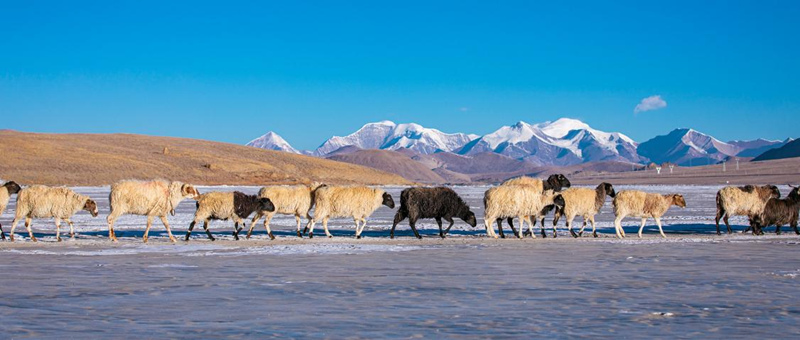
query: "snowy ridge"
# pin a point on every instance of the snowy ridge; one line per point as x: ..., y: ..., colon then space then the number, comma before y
x: 272, y: 141
x: 390, y: 136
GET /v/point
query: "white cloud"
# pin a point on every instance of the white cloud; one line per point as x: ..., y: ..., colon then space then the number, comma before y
x: 650, y: 103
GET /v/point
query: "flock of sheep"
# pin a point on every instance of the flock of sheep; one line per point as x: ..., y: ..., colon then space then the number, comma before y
x: 525, y: 198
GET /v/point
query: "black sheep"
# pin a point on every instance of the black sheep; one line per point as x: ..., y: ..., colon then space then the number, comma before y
x: 778, y: 212
x: 438, y: 203
x: 556, y: 182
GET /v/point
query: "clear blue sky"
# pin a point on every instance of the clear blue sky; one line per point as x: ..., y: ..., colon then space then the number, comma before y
x: 230, y: 71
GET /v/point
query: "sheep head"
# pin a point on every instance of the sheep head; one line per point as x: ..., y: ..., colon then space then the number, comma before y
x: 91, y: 207
x: 387, y: 200
x: 677, y: 200
x: 609, y: 189
x: 795, y: 193
x: 470, y: 219
x: 265, y: 204
x: 189, y: 191
x: 12, y: 187
x: 557, y: 182
x: 774, y: 192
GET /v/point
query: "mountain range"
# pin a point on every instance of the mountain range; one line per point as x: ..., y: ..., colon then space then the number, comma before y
x: 519, y: 148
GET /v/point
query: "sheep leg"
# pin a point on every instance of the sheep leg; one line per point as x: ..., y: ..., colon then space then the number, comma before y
x: 730, y: 231
x: 450, y: 220
x: 618, y: 226
x: 594, y: 231
x: 358, y: 230
x: 716, y: 219
x: 2, y: 233
x: 660, y: 230
x: 398, y: 217
x: 71, y: 229
x: 297, y: 218
x: 489, y: 228
x: 500, y: 227
x: 236, y: 230
x: 310, y: 228
x: 325, y: 226
x: 253, y: 224
x: 412, y: 221
x: 208, y: 232
x: 268, y: 219
x: 58, y: 229
x: 169, y: 232
x: 777, y: 229
x: 147, y: 229
x: 555, y: 225
x: 580, y: 232
x: 189, y: 231
x: 642, y: 227
x: 439, y: 222
x: 530, y: 220
x: 28, y: 226
x: 521, y: 226
x: 111, y: 234
x: 13, y: 226
x: 570, y: 219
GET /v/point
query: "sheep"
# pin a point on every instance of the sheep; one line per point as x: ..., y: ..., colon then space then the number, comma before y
x: 148, y: 198
x: 289, y: 200
x: 357, y: 202
x: 438, y: 203
x: 39, y: 201
x: 9, y: 188
x: 516, y: 201
x: 778, y: 212
x: 585, y: 202
x: 642, y: 204
x: 748, y: 200
x: 224, y: 205
x: 556, y: 182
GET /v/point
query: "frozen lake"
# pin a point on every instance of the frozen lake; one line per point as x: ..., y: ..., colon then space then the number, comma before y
x: 692, y: 284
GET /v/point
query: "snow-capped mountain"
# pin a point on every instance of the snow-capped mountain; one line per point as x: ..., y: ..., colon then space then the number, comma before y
x: 687, y: 147
x: 272, y: 141
x: 753, y: 148
x: 562, y: 142
x: 390, y: 136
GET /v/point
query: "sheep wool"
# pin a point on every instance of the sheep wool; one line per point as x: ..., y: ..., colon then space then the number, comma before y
x: 643, y: 205
x: 516, y: 201
x: 748, y: 200
x: 357, y: 202
x: 39, y: 201
x: 148, y: 198
x: 294, y: 200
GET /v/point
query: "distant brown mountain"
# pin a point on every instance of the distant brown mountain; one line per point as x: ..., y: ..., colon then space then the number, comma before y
x: 102, y: 159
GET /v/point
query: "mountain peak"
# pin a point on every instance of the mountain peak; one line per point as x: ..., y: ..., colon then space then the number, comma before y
x: 272, y: 141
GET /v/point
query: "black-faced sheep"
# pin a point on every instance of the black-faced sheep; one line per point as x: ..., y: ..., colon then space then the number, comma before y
x: 148, y: 198
x: 643, y: 204
x: 9, y: 188
x: 778, y: 212
x: 520, y: 201
x: 39, y: 201
x: 584, y: 202
x: 227, y: 205
x: 437, y: 203
x: 555, y: 182
x: 294, y: 200
x: 356, y: 202
x: 748, y: 200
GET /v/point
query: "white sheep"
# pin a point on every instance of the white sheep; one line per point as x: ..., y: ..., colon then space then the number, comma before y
x: 584, y: 202
x: 643, y: 204
x: 356, y: 202
x: 9, y: 188
x: 520, y: 201
x: 39, y: 201
x: 748, y: 200
x: 294, y: 200
x: 149, y: 198
x: 556, y: 182
x: 227, y: 205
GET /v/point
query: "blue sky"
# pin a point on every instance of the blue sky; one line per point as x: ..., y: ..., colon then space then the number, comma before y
x: 230, y: 71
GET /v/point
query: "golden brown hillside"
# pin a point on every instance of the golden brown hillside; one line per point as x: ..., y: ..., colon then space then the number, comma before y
x: 100, y: 159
